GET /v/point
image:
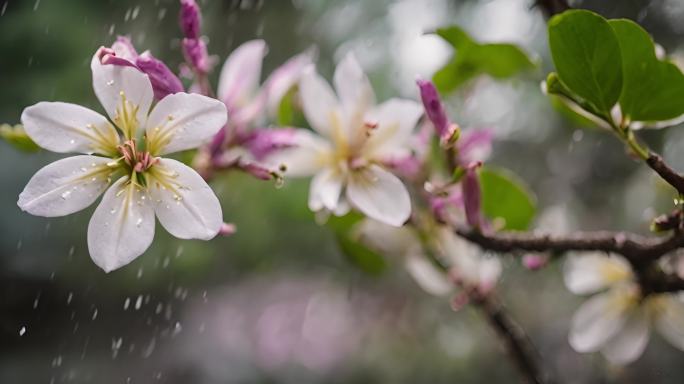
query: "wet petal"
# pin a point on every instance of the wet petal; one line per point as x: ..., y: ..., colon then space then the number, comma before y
x: 380, y: 195
x: 592, y: 272
x: 596, y: 322
x: 185, y: 205
x: 122, y: 227
x: 324, y: 192
x: 320, y: 104
x: 354, y: 91
x: 114, y: 84
x: 670, y: 321
x: 241, y: 73
x: 630, y: 342
x: 65, y: 186
x: 183, y: 121
x: 64, y: 127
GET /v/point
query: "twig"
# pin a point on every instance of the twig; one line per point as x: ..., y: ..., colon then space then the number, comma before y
x: 640, y: 251
x: 518, y: 345
x: 673, y: 178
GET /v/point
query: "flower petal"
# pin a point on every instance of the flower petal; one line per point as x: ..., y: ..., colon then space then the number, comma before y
x: 185, y: 205
x: 324, y: 192
x: 110, y: 82
x: 122, y: 227
x: 65, y: 186
x: 63, y: 127
x: 380, y: 195
x: 283, y: 78
x: 183, y: 121
x: 306, y: 157
x: 386, y: 239
x: 241, y: 73
x: 670, y: 322
x: 320, y: 104
x: 630, y: 342
x: 592, y: 272
x: 596, y: 322
x: 396, y: 120
x: 427, y: 276
x: 354, y: 90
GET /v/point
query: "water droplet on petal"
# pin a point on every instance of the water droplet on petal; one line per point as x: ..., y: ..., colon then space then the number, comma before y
x: 66, y: 194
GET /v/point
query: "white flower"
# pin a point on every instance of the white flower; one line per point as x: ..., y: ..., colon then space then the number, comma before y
x: 354, y: 138
x: 142, y: 183
x: 463, y: 260
x: 617, y: 322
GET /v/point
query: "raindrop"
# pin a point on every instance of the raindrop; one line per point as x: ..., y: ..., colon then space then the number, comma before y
x: 140, y: 272
x: 22, y: 331
x: 138, y: 302
x: 177, y: 329
x: 127, y: 303
x: 57, y: 361
x: 160, y: 15
x: 94, y: 314
x: 36, y: 300
x: 150, y: 348
x: 159, y: 308
x: 577, y: 135
x: 70, y: 297
x: 179, y: 251
x: 4, y: 8
x: 128, y: 14
x: 116, y: 345
x: 111, y: 29
x: 135, y: 13
x: 36, y: 5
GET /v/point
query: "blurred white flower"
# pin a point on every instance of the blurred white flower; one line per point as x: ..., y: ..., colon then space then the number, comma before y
x: 464, y: 264
x: 617, y: 321
x: 144, y: 184
x: 355, y: 138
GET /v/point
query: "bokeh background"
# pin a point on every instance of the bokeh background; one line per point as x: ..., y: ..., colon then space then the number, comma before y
x: 277, y: 302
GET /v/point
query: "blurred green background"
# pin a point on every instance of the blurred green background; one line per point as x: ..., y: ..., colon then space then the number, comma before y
x: 277, y: 302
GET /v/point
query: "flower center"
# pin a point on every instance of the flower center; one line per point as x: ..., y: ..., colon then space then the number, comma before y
x: 126, y: 117
x: 139, y: 161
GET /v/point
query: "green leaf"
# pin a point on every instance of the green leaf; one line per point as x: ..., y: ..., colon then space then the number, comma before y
x: 472, y: 59
x: 356, y: 253
x: 586, y: 54
x: 17, y: 137
x: 506, y: 198
x: 653, y: 90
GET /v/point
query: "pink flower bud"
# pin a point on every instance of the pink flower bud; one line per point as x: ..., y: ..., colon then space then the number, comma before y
x: 472, y: 195
x: 190, y: 19
x: 227, y: 229
x: 108, y: 56
x: 447, y: 132
x: 263, y: 142
x: 195, y: 52
x: 535, y: 261
x: 164, y: 82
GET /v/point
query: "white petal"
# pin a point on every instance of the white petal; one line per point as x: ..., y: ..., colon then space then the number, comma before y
x: 320, y: 104
x: 354, y: 90
x: 309, y: 155
x: 386, y: 239
x: 670, y: 322
x: 241, y: 73
x: 396, y: 119
x: 490, y: 271
x: 65, y: 186
x: 283, y: 78
x: 183, y: 121
x: 630, y: 342
x: 592, y: 272
x: 111, y: 81
x: 64, y: 127
x: 326, y: 187
x: 428, y: 277
x: 122, y: 227
x: 185, y: 205
x: 596, y: 322
x: 380, y: 195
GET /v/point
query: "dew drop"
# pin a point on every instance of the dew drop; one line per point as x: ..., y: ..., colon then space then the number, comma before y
x: 110, y: 82
x: 138, y: 222
x: 66, y: 194
x: 112, y: 211
x: 72, y: 141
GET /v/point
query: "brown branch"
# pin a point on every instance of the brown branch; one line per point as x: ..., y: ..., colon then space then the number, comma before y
x: 518, y: 345
x: 640, y: 251
x: 668, y: 174
x: 552, y: 7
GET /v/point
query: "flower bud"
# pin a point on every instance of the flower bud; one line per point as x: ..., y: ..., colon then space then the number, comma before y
x: 164, y: 82
x: 263, y: 142
x: 472, y: 196
x: 190, y: 19
x: 227, y: 229
x: 447, y: 132
x: 535, y: 261
x: 195, y: 52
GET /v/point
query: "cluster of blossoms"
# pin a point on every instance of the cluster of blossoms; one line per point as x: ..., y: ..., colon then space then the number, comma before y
x: 362, y: 156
